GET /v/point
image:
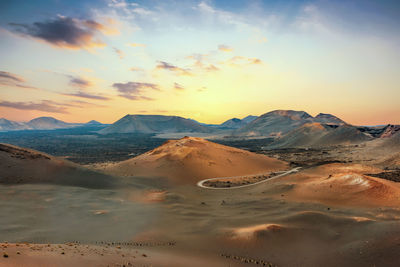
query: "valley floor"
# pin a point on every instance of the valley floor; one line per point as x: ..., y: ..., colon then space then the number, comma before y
x: 335, y: 211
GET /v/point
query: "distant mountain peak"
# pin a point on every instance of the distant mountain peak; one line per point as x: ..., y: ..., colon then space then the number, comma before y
x: 50, y: 119
x: 154, y: 124
x: 249, y: 118
x: 325, y: 115
x: 293, y: 114
x: 328, y: 118
x: 93, y: 122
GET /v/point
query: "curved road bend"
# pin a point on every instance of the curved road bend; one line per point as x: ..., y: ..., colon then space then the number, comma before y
x: 200, y: 183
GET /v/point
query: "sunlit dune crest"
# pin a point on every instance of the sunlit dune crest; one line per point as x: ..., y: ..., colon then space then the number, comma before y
x: 191, y: 159
x: 252, y: 231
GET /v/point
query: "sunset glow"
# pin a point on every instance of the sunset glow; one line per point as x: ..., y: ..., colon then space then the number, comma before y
x: 206, y: 60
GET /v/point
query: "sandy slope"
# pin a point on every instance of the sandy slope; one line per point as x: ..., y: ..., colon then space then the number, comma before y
x: 381, y: 152
x: 191, y: 159
x: 330, y: 215
x: 21, y: 165
x: 342, y: 184
x: 82, y: 255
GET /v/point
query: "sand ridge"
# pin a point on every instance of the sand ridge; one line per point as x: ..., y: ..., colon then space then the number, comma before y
x: 22, y: 165
x: 342, y: 184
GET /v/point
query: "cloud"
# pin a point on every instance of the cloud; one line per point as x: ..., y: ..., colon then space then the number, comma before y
x: 204, y: 7
x: 87, y: 95
x: 225, y: 48
x: 81, y: 104
x: 137, y: 45
x: 120, y: 53
x: 136, y: 69
x: 201, y: 62
x: 255, y: 61
x: 11, y: 79
x: 45, y: 105
x: 131, y: 10
x: 142, y: 11
x: 79, y: 82
x: 134, y: 90
x: 109, y: 29
x: 121, y: 4
x: 238, y: 61
x: 64, y: 32
x: 211, y: 68
x: 4, y: 75
x: 177, y: 70
x: 178, y: 87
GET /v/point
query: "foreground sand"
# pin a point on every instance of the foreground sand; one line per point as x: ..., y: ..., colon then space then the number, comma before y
x: 75, y: 254
x: 334, y: 214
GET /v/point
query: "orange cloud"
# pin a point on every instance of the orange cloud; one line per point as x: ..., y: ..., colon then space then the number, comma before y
x: 136, y: 69
x: 119, y: 52
x: 178, y: 87
x: 137, y: 45
x: 11, y: 79
x: 177, y: 70
x: 238, y: 61
x: 64, y: 32
x: 225, y: 48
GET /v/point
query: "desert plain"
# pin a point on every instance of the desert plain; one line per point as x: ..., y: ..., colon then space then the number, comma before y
x: 194, y: 202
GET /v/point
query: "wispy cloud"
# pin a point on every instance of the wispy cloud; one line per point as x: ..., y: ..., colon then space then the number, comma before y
x: 238, y: 61
x: 175, y: 69
x: 88, y: 96
x: 119, y: 52
x: 130, y: 10
x: 178, y: 87
x: 136, y: 69
x: 137, y: 45
x: 79, y: 82
x: 45, y: 105
x: 202, y: 63
x: 4, y: 75
x: 225, y: 48
x: 11, y: 79
x: 63, y: 32
x: 135, y: 90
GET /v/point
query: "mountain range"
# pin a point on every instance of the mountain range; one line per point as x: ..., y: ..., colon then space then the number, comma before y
x: 279, y: 122
x: 42, y: 123
x: 288, y: 128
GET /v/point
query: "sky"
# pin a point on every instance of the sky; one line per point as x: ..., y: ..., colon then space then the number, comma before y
x: 209, y: 60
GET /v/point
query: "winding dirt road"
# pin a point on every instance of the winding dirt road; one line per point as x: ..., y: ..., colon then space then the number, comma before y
x: 201, y: 183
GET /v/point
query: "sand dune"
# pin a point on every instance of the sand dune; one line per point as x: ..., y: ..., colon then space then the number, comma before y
x: 21, y: 166
x: 381, y: 152
x: 191, y: 159
x: 342, y: 184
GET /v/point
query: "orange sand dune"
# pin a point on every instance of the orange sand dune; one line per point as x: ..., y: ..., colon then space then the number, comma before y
x: 342, y: 184
x: 191, y: 159
x: 26, y: 166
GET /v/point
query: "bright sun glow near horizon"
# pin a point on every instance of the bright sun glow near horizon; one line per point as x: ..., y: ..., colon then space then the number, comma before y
x: 205, y: 60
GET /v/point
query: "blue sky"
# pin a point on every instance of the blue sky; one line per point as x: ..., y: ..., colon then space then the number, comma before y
x: 207, y: 60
